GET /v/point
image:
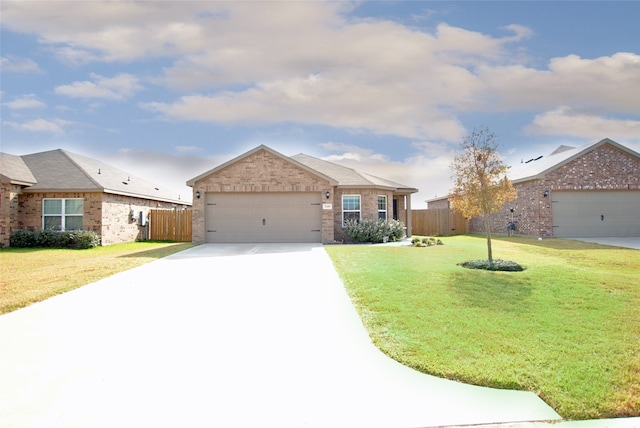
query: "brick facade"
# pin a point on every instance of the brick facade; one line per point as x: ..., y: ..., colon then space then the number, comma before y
x: 109, y: 215
x: 263, y: 171
x: 368, y: 206
x: 8, y: 210
x: 259, y: 172
x: 604, y: 168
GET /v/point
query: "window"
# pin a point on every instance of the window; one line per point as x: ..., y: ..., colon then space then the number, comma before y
x: 62, y: 214
x: 350, y: 208
x: 382, y: 207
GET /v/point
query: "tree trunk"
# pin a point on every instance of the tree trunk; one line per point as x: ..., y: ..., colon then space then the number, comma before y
x: 488, y: 231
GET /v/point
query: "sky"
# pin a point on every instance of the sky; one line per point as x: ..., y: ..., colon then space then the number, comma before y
x: 167, y: 90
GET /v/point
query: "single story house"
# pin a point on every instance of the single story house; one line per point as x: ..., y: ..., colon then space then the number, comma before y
x: 588, y: 191
x: 264, y: 196
x: 65, y: 191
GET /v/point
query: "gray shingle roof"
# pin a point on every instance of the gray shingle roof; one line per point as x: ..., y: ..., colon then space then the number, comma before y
x: 348, y: 177
x: 15, y: 170
x: 60, y: 170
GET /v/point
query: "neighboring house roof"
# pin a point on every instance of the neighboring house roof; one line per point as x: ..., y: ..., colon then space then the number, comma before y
x: 348, y: 177
x: 536, y: 169
x: 13, y: 169
x: 60, y: 170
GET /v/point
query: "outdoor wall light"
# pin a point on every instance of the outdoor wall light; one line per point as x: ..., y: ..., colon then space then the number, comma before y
x: 327, y: 194
x: 546, y: 193
x: 197, y: 194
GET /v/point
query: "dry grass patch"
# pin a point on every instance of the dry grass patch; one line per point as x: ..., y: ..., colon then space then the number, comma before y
x: 31, y: 275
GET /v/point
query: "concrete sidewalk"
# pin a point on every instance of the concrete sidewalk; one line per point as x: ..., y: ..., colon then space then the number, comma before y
x: 223, y: 335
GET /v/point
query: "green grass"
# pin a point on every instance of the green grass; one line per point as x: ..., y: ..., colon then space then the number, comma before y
x: 29, y: 275
x: 567, y: 328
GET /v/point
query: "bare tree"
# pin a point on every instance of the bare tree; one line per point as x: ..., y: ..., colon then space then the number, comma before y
x: 481, y: 184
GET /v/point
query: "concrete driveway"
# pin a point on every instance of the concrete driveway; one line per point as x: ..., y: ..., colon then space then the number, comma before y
x: 223, y: 335
x: 626, y: 242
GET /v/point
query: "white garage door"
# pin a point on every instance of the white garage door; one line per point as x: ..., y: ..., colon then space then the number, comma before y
x: 596, y: 213
x: 263, y: 217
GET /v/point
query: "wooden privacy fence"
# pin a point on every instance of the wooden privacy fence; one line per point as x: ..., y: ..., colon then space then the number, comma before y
x: 170, y: 225
x: 443, y: 221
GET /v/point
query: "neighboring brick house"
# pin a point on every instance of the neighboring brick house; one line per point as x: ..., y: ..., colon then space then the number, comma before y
x: 65, y: 191
x: 587, y: 191
x: 264, y: 196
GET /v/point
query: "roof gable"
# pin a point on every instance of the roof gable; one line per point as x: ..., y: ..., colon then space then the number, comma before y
x: 334, y: 174
x: 558, y: 158
x: 60, y: 170
x: 254, y: 151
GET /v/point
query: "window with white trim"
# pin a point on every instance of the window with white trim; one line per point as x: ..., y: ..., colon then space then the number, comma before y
x: 62, y: 214
x: 382, y: 207
x: 350, y: 208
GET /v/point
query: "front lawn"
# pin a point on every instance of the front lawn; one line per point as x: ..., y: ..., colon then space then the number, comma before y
x: 567, y: 328
x: 29, y: 275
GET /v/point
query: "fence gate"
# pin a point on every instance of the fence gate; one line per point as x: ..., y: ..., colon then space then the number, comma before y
x: 434, y: 222
x: 170, y: 225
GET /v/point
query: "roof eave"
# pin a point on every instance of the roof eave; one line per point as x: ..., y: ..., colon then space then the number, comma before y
x: 109, y: 191
x: 375, y: 186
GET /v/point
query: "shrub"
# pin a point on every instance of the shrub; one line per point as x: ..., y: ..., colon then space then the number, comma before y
x: 374, y: 230
x: 47, y: 238
x: 497, y: 265
x: 425, y: 242
x: 22, y: 238
x: 82, y: 239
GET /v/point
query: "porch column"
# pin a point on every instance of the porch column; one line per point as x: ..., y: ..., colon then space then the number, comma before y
x: 408, y: 202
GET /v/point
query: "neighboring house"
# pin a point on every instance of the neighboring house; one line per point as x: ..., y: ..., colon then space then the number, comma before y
x: 61, y: 190
x: 588, y: 191
x: 264, y: 196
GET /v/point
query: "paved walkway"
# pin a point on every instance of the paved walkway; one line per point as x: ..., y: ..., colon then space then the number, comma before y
x: 223, y: 335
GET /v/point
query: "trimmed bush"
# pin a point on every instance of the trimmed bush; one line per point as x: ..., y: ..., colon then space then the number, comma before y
x: 374, y: 230
x: 416, y: 241
x: 497, y: 265
x: 81, y: 239
x: 22, y: 238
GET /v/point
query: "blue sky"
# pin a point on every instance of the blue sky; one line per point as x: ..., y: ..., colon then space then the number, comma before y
x: 167, y: 90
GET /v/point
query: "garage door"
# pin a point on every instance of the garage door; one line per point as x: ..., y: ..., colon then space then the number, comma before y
x: 596, y: 213
x: 263, y: 217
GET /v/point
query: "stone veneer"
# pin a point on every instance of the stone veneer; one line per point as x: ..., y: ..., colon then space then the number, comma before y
x: 604, y: 168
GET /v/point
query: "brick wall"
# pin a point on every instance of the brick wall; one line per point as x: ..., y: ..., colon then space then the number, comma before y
x: 9, y: 207
x: 106, y: 214
x: 120, y: 217
x: 260, y: 172
x: 604, y: 168
x: 368, y: 207
x: 439, y: 204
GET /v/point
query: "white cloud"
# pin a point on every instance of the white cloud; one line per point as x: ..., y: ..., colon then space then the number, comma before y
x: 427, y: 169
x: 311, y: 63
x: 12, y: 63
x: 565, y: 121
x: 117, y: 88
x: 608, y: 83
x: 28, y: 101
x: 55, y: 126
